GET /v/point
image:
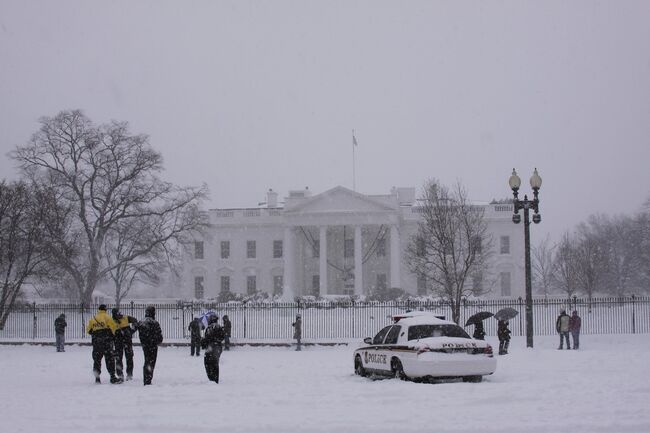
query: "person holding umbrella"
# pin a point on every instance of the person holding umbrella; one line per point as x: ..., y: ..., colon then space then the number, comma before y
x: 479, y: 331
x: 477, y: 320
x: 504, y: 337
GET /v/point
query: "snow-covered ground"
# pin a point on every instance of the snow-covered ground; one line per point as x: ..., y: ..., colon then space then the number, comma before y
x: 604, y: 387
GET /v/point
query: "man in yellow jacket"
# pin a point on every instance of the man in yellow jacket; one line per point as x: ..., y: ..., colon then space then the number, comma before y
x: 102, y: 329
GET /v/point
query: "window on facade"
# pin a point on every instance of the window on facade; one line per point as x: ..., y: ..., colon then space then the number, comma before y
x: 198, y: 250
x: 315, y: 249
x: 477, y: 244
x: 278, y: 284
x: 251, y: 284
x: 349, y: 248
x: 277, y: 249
x: 422, y: 285
x: 505, y: 245
x: 225, y: 283
x: 477, y: 283
x: 198, y: 288
x: 381, y: 281
x: 505, y: 284
x: 225, y: 249
x: 251, y: 249
x: 315, y: 282
x: 381, y: 248
x: 420, y: 248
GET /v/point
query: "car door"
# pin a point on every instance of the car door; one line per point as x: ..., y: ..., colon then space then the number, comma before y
x: 375, y: 356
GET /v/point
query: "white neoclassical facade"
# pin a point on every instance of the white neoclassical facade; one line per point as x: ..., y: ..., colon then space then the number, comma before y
x: 339, y: 242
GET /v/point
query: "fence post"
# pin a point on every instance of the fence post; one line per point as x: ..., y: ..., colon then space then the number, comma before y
x: 633, y: 318
x: 244, y: 302
x: 34, y: 311
x: 521, y: 329
x: 83, y: 321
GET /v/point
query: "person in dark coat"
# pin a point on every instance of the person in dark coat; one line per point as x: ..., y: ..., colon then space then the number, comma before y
x: 562, y: 328
x: 479, y: 331
x: 101, y: 328
x: 59, y: 332
x: 195, y: 328
x: 227, y: 330
x: 126, y: 326
x: 297, y: 330
x: 214, y: 335
x: 574, y: 328
x: 504, y: 337
x: 150, y: 338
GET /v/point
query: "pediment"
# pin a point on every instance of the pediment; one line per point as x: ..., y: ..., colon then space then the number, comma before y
x: 341, y: 200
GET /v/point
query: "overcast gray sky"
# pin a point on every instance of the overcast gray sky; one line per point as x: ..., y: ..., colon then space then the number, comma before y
x: 251, y: 95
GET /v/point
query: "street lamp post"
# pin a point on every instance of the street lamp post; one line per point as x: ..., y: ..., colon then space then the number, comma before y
x: 525, y: 204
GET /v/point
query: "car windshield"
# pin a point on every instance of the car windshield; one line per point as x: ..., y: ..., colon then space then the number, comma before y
x: 425, y: 331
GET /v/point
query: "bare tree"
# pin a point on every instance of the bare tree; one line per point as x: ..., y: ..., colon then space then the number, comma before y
x: 109, y: 177
x: 126, y: 240
x: 452, y: 244
x: 23, y: 255
x: 564, y: 265
x: 590, y: 261
x: 543, y: 266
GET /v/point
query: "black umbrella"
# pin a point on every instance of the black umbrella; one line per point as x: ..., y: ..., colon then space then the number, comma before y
x: 506, y: 313
x: 478, y: 317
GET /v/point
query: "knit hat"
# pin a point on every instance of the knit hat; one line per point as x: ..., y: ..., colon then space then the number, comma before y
x: 102, y: 307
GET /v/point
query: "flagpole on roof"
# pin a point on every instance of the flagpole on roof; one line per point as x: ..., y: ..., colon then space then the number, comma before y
x: 354, y: 177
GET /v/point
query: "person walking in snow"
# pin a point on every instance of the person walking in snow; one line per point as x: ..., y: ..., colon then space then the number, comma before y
x: 503, y: 332
x: 574, y: 328
x: 59, y: 332
x: 195, y: 328
x: 211, y: 342
x: 126, y: 326
x: 479, y: 331
x: 297, y: 330
x: 227, y: 330
x: 101, y: 328
x: 150, y: 338
x: 562, y: 327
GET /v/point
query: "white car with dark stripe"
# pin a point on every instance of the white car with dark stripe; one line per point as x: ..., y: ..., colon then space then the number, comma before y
x: 419, y: 346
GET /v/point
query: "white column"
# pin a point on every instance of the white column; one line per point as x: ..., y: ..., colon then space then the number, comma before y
x: 288, y: 292
x: 322, y: 253
x: 358, y: 266
x: 395, y: 257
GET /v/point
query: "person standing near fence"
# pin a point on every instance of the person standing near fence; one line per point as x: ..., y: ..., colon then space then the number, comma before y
x: 562, y: 327
x: 150, y: 338
x: 227, y: 330
x: 195, y: 327
x: 101, y: 328
x: 124, y: 343
x: 503, y: 332
x: 59, y: 332
x: 214, y: 335
x: 574, y: 328
x: 479, y: 331
x: 297, y: 330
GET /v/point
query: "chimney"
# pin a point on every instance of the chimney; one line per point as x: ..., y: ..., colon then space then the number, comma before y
x: 271, y: 198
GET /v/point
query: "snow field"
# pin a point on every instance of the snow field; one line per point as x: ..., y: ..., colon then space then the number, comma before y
x: 604, y: 387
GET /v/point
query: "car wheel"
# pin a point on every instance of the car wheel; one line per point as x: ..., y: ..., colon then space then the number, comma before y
x: 473, y: 379
x: 358, y: 367
x: 397, y: 369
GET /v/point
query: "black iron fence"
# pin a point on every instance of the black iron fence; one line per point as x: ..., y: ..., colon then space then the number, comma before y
x: 334, y: 320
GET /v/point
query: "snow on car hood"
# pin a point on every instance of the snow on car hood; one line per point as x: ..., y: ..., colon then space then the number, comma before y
x: 446, y: 343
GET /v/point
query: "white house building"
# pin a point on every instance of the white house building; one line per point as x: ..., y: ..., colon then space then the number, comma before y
x: 314, y: 245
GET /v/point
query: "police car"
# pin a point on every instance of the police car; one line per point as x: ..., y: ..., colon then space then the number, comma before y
x: 420, y: 345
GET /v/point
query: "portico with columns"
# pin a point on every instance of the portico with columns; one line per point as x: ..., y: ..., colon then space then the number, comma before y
x: 348, y: 242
